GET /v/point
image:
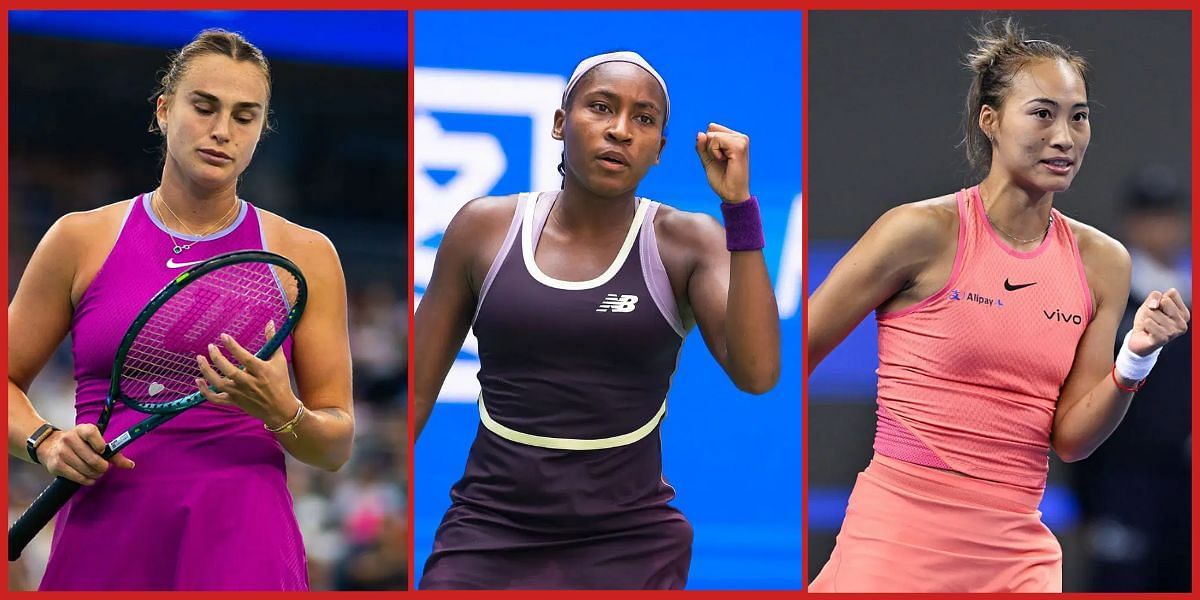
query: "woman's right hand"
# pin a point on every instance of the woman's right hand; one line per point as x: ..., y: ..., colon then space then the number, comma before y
x: 75, y: 454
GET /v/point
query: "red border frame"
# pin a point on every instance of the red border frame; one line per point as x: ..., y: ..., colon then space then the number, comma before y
x: 1195, y: 257
x: 4, y: 224
x: 805, y: 6
x: 412, y: 578
x: 804, y: 304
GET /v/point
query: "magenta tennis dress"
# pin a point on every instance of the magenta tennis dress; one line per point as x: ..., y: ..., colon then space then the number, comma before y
x: 207, y: 506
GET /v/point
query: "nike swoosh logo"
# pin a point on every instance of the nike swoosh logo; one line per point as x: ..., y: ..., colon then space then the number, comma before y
x: 1012, y: 288
x: 171, y: 264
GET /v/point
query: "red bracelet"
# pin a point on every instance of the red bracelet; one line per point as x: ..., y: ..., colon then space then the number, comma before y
x: 1137, y: 386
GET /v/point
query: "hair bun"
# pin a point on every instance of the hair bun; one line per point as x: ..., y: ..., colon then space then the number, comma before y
x: 995, y: 39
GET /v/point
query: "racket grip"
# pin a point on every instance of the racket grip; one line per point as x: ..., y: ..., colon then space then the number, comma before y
x: 38, y: 514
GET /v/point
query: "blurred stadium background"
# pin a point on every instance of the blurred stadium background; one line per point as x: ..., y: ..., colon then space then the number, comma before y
x: 484, y: 101
x: 337, y: 162
x: 885, y: 112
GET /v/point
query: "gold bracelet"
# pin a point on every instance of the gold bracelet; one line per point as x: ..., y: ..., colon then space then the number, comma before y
x: 290, y: 426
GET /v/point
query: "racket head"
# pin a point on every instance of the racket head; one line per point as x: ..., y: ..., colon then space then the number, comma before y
x: 238, y: 293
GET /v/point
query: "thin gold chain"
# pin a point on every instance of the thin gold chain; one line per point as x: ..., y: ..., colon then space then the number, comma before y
x: 178, y: 248
x: 1049, y: 222
x: 1010, y: 236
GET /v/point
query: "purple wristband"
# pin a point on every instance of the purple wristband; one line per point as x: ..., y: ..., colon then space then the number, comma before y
x: 743, y: 225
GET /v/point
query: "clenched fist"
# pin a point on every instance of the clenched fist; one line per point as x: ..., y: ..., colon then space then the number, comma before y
x: 1160, y: 319
x: 725, y: 154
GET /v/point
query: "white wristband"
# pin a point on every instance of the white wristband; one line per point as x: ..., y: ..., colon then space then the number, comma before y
x: 1134, y: 367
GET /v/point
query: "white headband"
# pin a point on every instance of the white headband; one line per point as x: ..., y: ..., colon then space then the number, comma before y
x: 629, y: 57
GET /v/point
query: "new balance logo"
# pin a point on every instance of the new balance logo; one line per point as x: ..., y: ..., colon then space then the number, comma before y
x: 618, y: 304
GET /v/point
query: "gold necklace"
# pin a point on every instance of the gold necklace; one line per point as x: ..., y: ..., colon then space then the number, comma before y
x: 177, y: 247
x: 1014, y: 238
x: 1049, y: 222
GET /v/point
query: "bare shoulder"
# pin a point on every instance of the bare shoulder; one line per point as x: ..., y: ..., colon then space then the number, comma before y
x: 474, y: 236
x: 692, y: 229
x: 906, y: 241
x: 1106, y: 263
x: 90, y: 223
x: 87, y: 236
x: 291, y: 234
x: 922, y: 223
x: 482, y: 216
x: 114, y: 212
x: 76, y: 246
x: 306, y: 246
x: 1096, y: 247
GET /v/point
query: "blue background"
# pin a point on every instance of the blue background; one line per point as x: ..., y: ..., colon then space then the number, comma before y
x: 733, y: 458
x: 378, y: 37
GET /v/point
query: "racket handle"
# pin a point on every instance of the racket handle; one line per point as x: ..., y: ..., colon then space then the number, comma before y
x: 38, y: 514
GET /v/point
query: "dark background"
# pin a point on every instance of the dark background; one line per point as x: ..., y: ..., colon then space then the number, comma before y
x: 885, y: 109
x: 337, y: 163
x: 888, y: 90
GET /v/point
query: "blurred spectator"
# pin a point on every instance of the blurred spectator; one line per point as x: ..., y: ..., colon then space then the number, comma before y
x: 370, y: 505
x: 1135, y: 490
x: 378, y: 322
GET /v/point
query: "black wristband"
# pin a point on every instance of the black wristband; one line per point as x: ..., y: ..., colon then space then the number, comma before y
x: 40, y: 435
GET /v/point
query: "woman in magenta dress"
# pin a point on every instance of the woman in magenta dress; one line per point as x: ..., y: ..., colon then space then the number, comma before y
x: 202, y: 502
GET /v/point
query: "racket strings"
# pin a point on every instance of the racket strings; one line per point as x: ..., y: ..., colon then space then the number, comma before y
x: 237, y: 299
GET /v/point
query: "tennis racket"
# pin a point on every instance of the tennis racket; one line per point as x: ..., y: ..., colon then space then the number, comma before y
x: 155, y: 370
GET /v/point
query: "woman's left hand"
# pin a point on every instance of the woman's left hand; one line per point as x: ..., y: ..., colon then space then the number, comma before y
x: 262, y: 388
x: 1160, y: 319
x: 725, y: 154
